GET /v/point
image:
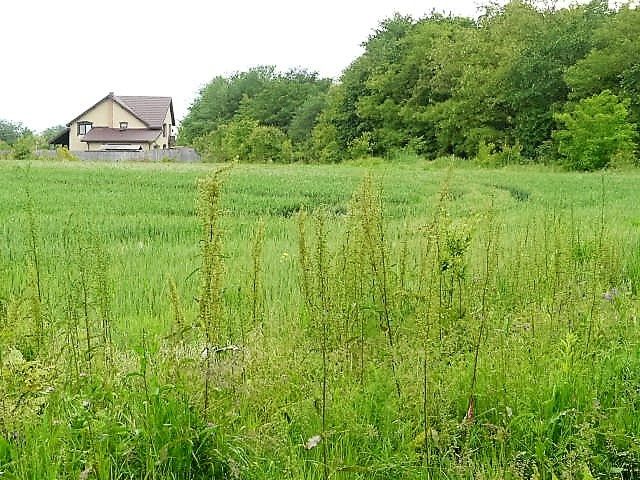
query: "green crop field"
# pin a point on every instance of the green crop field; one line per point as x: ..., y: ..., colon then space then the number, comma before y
x: 411, y: 320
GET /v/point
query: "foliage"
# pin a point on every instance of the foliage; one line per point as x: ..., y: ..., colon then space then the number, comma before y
x: 402, y: 283
x: 11, y: 132
x: 596, y: 131
x: 441, y: 85
x: 445, y: 85
x: 63, y: 153
x: 227, y: 142
x: 397, y: 286
x: 268, y: 144
x: 52, y: 132
x: 290, y: 101
x: 23, y: 147
x: 245, y: 140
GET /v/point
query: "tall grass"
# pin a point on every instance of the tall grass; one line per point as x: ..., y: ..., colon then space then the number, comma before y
x: 409, y: 323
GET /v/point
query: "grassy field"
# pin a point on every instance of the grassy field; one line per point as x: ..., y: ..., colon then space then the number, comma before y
x: 413, y: 320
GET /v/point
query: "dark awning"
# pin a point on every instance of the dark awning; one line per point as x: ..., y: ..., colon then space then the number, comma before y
x: 61, y: 139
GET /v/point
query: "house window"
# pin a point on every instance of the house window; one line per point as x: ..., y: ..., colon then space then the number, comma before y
x: 124, y: 125
x: 164, y: 129
x: 84, y: 127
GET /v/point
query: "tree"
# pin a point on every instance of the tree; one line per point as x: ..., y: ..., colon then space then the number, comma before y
x: 534, y: 82
x: 262, y: 95
x: 23, y: 147
x: 52, y: 132
x: 245, y: 140
x: 614, y: 62
x: 596, y: 131
x: 366, y: 99
x: 443, y: 85
x: 268, y: 144
x: 11, y: 132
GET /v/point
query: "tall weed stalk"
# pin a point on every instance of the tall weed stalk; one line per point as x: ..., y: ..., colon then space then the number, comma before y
x: 211, y: 270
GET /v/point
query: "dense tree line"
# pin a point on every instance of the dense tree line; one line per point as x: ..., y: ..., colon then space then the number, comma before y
x: 255, y: 115
x: 521, y: 83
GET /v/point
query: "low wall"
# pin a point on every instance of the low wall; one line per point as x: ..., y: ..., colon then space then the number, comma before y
x: 170, y: 155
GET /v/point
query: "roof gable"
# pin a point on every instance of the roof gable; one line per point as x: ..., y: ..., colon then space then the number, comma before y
x: 149, y: 110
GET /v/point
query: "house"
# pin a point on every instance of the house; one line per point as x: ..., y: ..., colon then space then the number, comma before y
x: 122, y: 123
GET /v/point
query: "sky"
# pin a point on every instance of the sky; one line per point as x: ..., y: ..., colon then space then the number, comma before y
x: 60, y: 57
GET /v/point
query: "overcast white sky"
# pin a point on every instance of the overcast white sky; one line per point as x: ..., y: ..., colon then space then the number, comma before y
x: 60, y: 57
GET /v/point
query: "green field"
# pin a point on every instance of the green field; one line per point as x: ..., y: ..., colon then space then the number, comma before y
x: 435, y: 321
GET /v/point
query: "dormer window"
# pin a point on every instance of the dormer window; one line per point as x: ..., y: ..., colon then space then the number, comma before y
x: 124, y: 125
x: 84, y: 127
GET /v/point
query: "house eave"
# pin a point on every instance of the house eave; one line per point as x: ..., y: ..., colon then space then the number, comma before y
x: 114, y: 98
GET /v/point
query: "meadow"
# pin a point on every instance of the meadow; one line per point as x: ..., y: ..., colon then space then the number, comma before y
x: 410, y: 320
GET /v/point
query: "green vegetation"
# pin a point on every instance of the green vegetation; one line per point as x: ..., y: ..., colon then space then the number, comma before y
x: 18, y: 142
x: 596, y: 133
x: 441, y: 85
x: 276, y: 109
x: 11, y: 132
x: 378, y: 320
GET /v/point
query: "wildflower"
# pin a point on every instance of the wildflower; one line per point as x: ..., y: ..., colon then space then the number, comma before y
x: 610, y: 294
x: 313, y: 442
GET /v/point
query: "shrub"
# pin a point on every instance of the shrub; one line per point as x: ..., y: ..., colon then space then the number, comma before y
x: 227, y: 142
x: 595, y: 132
x: 489, y: 156
x: 361, y: 146
x: 245, y: 140
x: 23, y: 148
x: 268, y: 144
x: 485, y: 155
x: 324, y: 143
x: 63, y: 154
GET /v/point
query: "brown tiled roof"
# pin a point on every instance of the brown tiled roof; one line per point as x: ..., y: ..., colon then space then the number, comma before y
x: 115, y: 135
x: 149, y: 110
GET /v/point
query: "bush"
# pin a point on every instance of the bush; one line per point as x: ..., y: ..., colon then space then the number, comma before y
x: 362, y: 146
x: 225, y: 143
x: 268, y: 144
x: 23, y: 148
x: 596, y: 132
x: 245, y: 140
x: 489, y: 156
x: 324, y: 143
x: 63, y: 154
